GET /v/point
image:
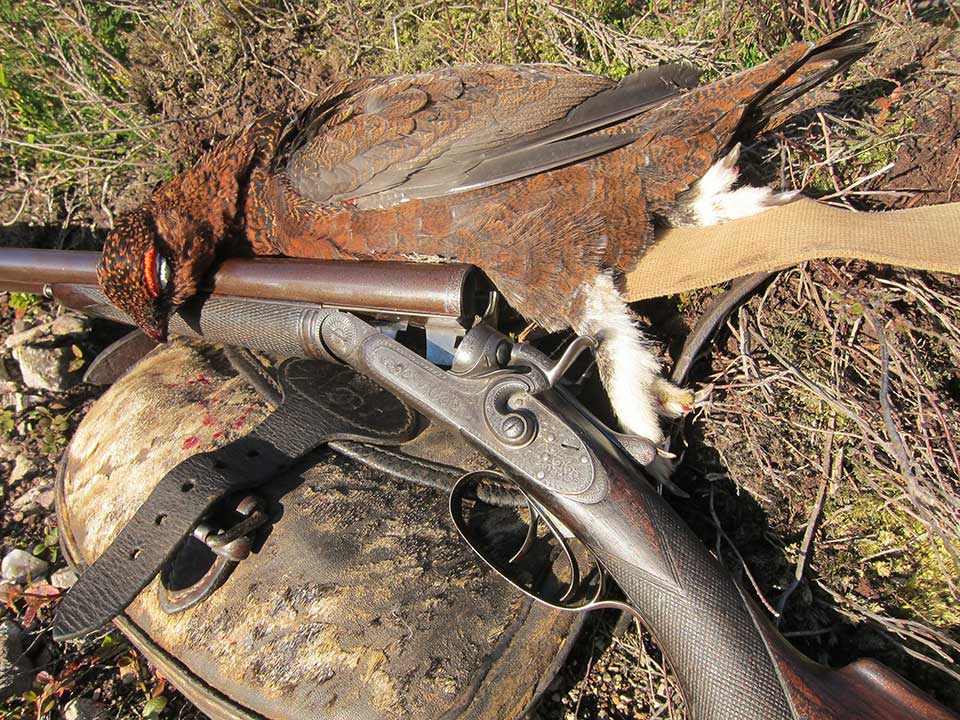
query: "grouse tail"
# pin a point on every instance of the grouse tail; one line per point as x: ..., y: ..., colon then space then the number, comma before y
x: 827, y: 57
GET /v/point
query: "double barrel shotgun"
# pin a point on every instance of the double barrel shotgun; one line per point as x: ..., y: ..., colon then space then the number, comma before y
x: 576, y: 475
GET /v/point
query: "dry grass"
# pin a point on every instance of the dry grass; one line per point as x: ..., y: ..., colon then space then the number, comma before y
x: 843, y: 389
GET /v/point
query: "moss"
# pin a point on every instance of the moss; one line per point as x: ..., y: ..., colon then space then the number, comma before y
x: 897, y: 565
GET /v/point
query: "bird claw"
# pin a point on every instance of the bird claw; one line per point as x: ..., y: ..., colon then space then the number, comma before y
x: 782, y: 198
x: 661, y: 469
x: 729, y: 161
x: 641, y: 449
x: 656, y: 462
x: 673, y: 401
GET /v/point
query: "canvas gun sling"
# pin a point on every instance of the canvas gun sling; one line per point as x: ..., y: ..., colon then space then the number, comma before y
x: 319, y: 402
x: 681, y: 259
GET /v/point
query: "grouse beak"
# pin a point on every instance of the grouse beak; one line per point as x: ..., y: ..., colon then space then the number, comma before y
x: 156, y: 332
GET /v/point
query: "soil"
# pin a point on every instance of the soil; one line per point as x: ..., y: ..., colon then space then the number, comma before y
x: 197, y: 116
x: 925, y: 67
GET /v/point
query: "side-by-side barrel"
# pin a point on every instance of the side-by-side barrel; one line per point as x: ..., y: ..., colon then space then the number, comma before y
x: 386, y: 288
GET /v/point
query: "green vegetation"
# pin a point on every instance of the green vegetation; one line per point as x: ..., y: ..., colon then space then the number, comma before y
x: 23, y: 303
x: 49, y: 428
x: 49, y: 547
x: 64, y: 89
x: 905, y: 569
x: 7, y: 422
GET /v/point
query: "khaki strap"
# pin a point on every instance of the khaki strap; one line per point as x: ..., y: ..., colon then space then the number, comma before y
x: 925, y: 238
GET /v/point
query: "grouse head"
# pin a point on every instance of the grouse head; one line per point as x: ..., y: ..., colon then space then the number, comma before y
x: 153, y: 260
x: 135, y: 272
x: 157, y: 256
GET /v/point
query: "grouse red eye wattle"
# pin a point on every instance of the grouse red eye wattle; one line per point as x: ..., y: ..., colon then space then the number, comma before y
x: 150, y: 274
x: 156, y: 272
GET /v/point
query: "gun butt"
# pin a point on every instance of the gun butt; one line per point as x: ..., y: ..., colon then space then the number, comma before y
x: 863, y: 689
x: 731, y: 662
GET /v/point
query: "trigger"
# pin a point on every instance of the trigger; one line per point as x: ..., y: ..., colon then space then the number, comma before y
x: 570, y: 355
x: 466, y: 489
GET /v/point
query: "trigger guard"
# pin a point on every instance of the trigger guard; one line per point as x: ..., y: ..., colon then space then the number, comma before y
x: 594, y: 601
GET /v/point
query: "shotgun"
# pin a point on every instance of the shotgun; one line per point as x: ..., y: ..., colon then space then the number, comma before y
x: 577, y: 476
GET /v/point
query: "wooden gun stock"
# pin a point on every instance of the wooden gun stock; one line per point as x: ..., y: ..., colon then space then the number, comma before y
x: 864, y: 689
x: 730, y: 661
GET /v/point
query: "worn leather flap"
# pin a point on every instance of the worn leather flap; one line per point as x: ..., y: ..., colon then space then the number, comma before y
x: 360, y: 602
x: 320, y: 402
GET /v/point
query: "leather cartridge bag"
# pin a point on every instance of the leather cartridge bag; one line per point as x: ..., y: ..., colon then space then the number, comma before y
x: 358, y: 600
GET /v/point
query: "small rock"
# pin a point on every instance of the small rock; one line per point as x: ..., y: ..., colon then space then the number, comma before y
x: 28, y: 335
x: 24, y: 401
x: 47, y: 498
x: 23, y: 467
x: 8, y: 393
x: 64, y: 328
x: 63, y: 578
x: 32, y: 500
x: 16, y: 670
x: 19, y: 566
x: 46, y: 368
x: 69, y: 324
x: 85, y: 709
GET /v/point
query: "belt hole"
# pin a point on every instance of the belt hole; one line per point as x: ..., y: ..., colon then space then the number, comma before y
x: 158, y: 520
x: 187, y: 486
x: 136, y: 553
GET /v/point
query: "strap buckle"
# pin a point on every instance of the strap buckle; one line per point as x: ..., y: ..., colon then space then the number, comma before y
x: 229, y: 546
x: 234, y: 542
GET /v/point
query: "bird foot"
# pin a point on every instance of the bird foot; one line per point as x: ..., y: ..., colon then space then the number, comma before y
x: 715, y: 202
x: 729, y: 162
x: 660, y: 470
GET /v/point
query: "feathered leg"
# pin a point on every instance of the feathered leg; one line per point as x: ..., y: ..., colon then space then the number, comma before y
x: 629, y: 370
x: 713, y: 199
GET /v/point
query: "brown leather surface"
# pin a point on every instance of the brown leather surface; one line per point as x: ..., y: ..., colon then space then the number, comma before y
x: 361, y: 603
x: 321, y: 402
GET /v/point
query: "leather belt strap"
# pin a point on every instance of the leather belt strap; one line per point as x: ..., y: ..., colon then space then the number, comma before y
x: 924, y: 238
x: 321, y: 402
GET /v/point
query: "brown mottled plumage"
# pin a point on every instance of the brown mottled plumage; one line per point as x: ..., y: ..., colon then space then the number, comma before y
x: 548, y: 179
